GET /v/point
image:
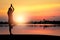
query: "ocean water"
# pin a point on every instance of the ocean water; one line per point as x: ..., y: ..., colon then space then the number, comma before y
x: 39, y: 29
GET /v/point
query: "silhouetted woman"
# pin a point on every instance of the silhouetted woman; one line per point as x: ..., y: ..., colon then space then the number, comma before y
x: 10, y: 18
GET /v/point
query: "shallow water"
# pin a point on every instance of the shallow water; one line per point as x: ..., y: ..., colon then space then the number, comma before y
x: 46, y: 29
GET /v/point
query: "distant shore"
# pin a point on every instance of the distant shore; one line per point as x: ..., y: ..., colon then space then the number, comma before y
x: 37, y: 22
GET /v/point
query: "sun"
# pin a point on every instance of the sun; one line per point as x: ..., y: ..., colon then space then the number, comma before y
x: 20, y: 19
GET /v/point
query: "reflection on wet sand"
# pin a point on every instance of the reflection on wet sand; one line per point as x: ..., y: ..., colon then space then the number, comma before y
x: 46, y: 29
x: 43, y: 25
x: 34, y: 25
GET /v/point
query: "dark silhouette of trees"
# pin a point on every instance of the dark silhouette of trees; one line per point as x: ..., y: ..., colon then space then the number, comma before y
x: 44, y: 22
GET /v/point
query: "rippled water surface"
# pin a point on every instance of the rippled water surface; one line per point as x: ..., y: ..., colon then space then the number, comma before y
x: 46, y: 29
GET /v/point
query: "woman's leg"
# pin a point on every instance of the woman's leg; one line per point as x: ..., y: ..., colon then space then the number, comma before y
x: 10, y: 27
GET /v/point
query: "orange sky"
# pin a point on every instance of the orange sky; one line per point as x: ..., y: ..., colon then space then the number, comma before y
x: 31, y: 7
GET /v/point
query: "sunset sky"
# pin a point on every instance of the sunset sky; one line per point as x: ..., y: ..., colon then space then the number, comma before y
x: 31, y: 8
